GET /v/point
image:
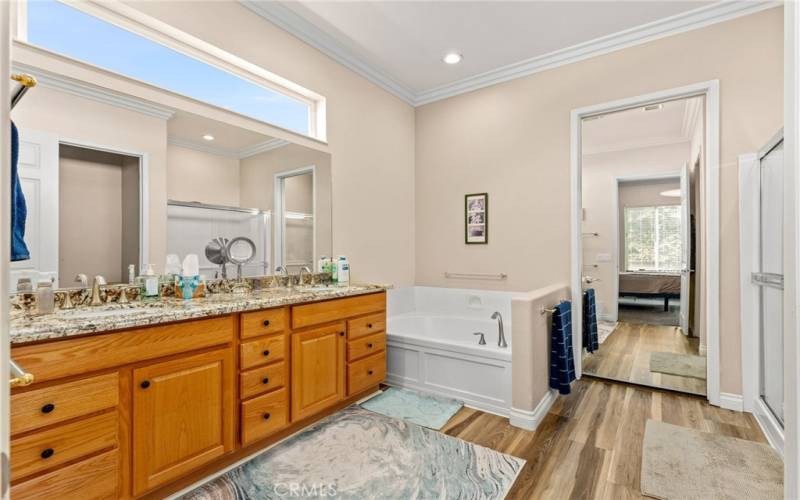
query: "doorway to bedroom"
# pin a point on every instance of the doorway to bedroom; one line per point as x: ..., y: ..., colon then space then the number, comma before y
x: 642, y: 245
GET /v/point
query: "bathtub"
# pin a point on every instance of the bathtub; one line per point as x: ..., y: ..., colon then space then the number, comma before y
x: 431, y: 346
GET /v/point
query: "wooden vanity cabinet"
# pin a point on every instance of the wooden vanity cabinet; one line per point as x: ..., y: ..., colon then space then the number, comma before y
x: 143, y: 412
x: 318, y: 369
x: 183, y: 415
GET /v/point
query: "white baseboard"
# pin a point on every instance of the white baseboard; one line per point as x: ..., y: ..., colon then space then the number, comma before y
x: 769, y: 425
x: 731, y: 401
x: 530, y: 420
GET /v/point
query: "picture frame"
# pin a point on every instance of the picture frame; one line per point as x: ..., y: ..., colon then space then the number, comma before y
x: 476, y: 219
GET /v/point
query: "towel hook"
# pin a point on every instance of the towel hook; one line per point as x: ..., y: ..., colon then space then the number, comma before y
x: 545, y: 310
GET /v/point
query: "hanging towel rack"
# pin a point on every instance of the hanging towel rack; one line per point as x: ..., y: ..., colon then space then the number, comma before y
x: 476, y: 276
x: 544, y: 310
x: 590, y: 234
x: 26, y: 81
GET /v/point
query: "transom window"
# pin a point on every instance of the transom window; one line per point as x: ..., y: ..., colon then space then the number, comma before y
x: 653, y: 238
x: 73, y: 33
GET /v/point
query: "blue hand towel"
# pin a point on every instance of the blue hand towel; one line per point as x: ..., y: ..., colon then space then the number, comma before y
x: 590, y: 321
x: 19, y: 211
x: 562, y: 363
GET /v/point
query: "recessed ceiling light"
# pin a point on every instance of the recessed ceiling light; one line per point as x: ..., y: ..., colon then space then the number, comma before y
x: 452, y: 58
x: 208, y: 137
x: 672, y: 193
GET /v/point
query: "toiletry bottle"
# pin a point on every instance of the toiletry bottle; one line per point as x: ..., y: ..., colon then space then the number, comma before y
x: 343, y: 271
x: 321, y: 265
x: 334, y: 271
x: 45, y: 298
x: 131, y: 274
x: 149, y: 283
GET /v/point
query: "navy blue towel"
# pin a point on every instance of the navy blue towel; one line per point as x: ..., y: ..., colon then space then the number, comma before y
x: 19, y: 211
x: 562, y: 363
x: 590, y: 321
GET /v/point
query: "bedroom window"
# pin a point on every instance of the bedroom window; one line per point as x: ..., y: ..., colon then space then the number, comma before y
x: 653, y: 238
x: 183, y: 67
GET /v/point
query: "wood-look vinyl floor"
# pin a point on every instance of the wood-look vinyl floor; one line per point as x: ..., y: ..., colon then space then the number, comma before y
x: 589, y: 445
x: 625, y: 356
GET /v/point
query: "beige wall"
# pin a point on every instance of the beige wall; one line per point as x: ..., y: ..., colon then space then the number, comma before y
x: 370, y: 133
x: 197, y: 176
x: 94, y: 207
x: 512, y: 140
x: 599, y: 184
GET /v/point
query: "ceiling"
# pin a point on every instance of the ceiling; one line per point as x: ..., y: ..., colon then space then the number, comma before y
x: 671, y: 124
x: 400, y: 44
x: 187, y: 130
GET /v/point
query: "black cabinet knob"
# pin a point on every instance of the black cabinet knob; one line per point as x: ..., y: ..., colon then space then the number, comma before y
x: 266, y: 352
x: 265, y: 380
x: 48, y: 408
x: 369, y: 345
x: 145, y: 384
x: 266, y: 416
x: 369, y: 325
x: 48, y: 453
x: 341, y: 334
x: 369, y: 372
x: 266, y: 322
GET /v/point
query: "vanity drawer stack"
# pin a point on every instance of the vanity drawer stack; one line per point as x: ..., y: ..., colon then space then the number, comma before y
x: 263, y: 373
x: 64, y: 437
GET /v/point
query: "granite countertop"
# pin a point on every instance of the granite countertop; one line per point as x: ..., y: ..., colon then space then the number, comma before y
x: 79, y: 321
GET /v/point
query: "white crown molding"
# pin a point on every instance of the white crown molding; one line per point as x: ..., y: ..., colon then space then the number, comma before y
x: 262, y: 147
x: 82, y: 89
x: 255, y: 149
x: 286, y: 19
x: 289, y: 21
x: 653, y: 142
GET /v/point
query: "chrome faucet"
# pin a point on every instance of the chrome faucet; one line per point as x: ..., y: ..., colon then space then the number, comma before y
x: 501, y: 339
x: 280, y: 270
x: 82, y: 279
x: 305, y: 270
x: 97, y: 299
x: 482, y: 340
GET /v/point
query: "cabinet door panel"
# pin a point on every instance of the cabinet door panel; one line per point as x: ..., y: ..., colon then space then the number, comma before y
x: 318, y: 369
x: 182, y: 416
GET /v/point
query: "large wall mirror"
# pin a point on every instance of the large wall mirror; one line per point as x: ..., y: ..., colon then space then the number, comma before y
x: 108, y: 184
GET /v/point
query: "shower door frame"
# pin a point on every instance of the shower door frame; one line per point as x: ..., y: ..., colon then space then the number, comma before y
x: 710, y: 91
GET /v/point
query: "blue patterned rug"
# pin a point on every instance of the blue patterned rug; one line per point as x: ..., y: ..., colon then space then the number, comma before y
x: 422, y: 409
x: 357, y: 454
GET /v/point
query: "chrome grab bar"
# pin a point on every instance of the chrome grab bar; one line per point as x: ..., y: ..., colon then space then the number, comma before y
x: 19, y: 377
x: 476, y: 276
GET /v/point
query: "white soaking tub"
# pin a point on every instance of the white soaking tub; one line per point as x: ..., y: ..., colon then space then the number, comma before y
x: 431, y: 346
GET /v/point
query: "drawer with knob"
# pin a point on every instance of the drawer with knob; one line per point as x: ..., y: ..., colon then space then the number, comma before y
x: 262, y: 351
x: 366, y: 373
x: 263, y: 322
x: 37, y: 408
x: 364, y: 346
x: 49, y: 448
x: 366, y: 325
x: 263, y: 379
x: 264, y: 415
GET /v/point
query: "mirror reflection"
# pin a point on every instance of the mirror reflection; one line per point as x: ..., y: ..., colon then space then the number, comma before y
x: 109, y: 187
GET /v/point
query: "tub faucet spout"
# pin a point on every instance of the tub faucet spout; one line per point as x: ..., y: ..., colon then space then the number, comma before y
x: 501, y: 339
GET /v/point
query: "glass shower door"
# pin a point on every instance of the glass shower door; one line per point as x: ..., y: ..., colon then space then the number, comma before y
x: 770, y: 279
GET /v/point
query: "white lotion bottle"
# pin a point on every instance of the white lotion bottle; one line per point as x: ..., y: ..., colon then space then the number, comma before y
x: 343, y: 271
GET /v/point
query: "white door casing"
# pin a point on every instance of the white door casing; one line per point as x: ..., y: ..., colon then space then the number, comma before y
x: 38, y: 173
x: 686, y: 248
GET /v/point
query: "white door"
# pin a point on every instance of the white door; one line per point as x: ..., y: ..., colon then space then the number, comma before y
x: 38, y: 173
x: 686, y: 248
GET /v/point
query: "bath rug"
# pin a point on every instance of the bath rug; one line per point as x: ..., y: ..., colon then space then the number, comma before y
x: 684, y: 365
x: 422, y: 409
x: 357, y: 454
x: 687, y: 464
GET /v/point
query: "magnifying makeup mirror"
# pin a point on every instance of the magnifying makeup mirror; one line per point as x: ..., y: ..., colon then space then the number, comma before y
x: 241, y: 250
